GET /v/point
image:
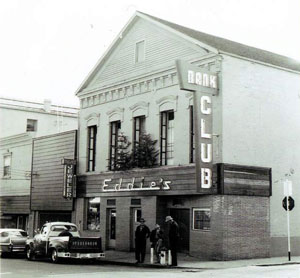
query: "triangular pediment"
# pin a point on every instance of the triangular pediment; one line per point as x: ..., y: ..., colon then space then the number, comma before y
x: 162, y: 48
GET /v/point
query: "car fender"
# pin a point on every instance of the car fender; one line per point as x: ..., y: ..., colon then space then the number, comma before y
x: 60, y: 244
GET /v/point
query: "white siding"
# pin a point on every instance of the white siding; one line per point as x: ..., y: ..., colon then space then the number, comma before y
x: 261, y: 127
x: 161, y: 47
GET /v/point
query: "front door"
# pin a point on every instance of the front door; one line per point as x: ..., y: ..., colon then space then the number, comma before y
x: 182, y: 217
x: 111, y: 229
x: 136, y: 214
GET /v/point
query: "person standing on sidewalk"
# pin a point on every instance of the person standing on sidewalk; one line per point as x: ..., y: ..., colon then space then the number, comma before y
x: 173, y: 238
x: 142, y: 232
x: 156, y: 237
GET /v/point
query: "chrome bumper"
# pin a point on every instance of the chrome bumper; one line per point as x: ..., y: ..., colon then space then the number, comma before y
x: 80, y: 255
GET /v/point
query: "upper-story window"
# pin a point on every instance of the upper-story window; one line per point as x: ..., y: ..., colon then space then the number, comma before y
x: 167, y: 137
x: 92, y: 135
x: 113, y: 144
x: 192, y: 136
x: 31, y: 125
x: 138, y: 130
x: 140, y: 51
x: 7, y: 166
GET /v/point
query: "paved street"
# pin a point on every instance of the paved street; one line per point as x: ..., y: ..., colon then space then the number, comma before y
x: 19, y: 268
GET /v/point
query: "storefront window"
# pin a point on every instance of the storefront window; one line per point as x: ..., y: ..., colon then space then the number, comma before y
x: 93, y: 214
x: 201, y: 219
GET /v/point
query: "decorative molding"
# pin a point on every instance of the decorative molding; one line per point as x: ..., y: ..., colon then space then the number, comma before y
x: 140, y: 108
x: 190, y: 97
x: 116, y: 114
x: 93, y: 119
x: 150, y: 84
x: 143, y: 84
x: 167, y: 103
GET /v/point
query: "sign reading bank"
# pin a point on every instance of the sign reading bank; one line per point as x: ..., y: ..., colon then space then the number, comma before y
x: 204, y: 84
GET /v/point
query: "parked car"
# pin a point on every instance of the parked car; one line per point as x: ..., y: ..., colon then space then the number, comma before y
x: 62, y: 240
x: 12, y: 241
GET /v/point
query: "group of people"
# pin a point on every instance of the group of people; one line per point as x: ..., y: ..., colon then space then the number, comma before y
x: 157, y: 239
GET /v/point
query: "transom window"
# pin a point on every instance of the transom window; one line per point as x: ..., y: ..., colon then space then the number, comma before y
x: 201, y: 219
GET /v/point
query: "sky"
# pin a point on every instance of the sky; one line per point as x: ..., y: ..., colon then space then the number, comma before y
x: 48, y: 47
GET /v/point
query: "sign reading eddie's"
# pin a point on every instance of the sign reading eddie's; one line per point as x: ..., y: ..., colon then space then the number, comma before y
x: 204, y: 84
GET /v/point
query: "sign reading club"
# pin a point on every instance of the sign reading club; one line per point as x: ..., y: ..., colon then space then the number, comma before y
x: 203, y: 83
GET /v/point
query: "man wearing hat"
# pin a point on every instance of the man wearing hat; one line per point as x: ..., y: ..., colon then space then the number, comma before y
x: 142, y: 232
x: 173, y: 238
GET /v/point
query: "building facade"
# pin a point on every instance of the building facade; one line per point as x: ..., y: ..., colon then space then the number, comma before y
x: 49, y: 199
x: 134, y: 90
x: 21, y: 121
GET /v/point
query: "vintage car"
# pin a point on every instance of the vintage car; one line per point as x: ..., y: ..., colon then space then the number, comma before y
x: 62, y: 240
x: 12, y: 241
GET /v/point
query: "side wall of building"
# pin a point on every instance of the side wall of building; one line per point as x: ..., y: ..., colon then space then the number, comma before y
x: 261, y: 119
x: 46, y: 123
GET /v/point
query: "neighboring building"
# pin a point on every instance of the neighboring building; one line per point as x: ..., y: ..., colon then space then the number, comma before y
x: 256, y: 117
x: 37, y: 119
x: 48, y: 199
x: 21, y: 121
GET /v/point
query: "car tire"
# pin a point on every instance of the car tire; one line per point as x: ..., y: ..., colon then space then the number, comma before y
x: 54, y: 256
x: 29, y: 253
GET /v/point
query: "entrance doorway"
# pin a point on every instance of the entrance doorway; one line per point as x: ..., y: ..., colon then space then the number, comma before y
x: 182, y: 217
x: 111, y: 229
x: 135, y: 216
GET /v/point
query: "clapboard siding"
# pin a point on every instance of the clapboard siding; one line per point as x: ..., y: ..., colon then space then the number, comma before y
x: 47, y: 182
x: 161, y: 47
x: 15, y: 204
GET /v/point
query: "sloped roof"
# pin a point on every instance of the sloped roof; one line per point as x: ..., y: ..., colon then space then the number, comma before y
x: 210, y: 42
x: 231, y: 47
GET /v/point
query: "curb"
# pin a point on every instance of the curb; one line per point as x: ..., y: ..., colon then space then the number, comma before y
x: 147, y: 265
x: 276, y: 264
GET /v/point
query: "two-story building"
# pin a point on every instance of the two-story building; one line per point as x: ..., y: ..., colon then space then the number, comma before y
x: 255, y: 116
x: 21, y: 121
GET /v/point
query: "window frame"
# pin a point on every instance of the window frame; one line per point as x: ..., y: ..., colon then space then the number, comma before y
x: 138, y: 130
x: 34, y: 124
x: 7, y: 155
x: 91, y: 161
x: 193, y: 216
x: 164, y: 127
x: 137, y: 58
x: 113, y: 144
x: 86, y: 224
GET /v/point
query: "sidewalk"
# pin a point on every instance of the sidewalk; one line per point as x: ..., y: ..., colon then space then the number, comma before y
x: 186, y: 261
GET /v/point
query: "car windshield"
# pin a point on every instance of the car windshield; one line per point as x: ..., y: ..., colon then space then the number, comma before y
x: 18, y: 233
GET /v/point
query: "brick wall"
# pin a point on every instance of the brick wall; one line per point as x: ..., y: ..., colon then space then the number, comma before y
x: 245, y: 226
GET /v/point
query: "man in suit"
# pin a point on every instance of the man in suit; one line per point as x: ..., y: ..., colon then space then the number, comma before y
x: 142, y: 232
x: 173, y: 238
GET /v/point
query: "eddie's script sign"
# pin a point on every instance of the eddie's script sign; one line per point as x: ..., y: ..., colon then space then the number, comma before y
x: 204, y: 84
